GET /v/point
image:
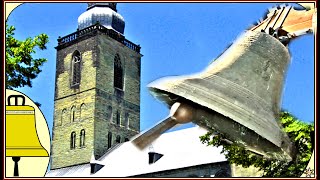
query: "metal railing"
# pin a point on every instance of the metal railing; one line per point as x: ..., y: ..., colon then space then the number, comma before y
x: 94, y: 28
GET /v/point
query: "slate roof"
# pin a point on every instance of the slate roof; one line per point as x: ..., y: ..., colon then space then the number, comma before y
x: 179, y: 148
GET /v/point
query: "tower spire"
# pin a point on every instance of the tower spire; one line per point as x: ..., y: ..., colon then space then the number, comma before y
x: 113, y: 6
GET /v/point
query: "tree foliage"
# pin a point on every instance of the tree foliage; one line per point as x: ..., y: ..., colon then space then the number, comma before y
x: 20, y: 66
x: 299, y: 133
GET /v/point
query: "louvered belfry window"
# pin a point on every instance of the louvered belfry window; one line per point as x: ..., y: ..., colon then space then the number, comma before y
x: 118, y: 72
x: 76, y: 68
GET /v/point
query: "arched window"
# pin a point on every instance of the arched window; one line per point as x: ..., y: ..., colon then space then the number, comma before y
x: 76, y: 69
x: 126, y: 120
x: 109, y: 140
x: 73, y: 140
x: 63, y: 116
x: 118, y: 72
x: 82, y: 138
x: 118, y: 117
x: 73, y: 114
x: 118, y: 139
x: 82, y: 110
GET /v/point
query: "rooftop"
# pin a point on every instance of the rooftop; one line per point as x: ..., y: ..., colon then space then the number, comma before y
x: 179, y: 149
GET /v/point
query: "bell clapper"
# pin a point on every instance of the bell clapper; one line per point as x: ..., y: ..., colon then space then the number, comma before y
x: 16, y: 167
x: 181, y: 112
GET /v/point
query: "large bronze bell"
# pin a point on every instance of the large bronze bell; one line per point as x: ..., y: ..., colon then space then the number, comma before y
x: 238, y: 94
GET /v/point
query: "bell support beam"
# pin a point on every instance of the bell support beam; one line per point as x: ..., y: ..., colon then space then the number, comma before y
x: 286, y: 21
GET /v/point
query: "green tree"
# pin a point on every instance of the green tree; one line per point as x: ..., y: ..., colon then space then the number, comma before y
x: 299, y: 133
x: 20, y: 66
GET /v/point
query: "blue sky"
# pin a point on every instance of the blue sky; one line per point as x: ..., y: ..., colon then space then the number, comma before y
x: 176, y: 39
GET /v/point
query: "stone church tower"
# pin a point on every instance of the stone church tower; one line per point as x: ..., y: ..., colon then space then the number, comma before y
x: 97, y: 88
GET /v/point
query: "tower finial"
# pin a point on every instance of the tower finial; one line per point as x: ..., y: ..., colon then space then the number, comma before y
x: 113, y: 6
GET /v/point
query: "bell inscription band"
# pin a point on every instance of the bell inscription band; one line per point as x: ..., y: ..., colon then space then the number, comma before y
x: 21, y: 134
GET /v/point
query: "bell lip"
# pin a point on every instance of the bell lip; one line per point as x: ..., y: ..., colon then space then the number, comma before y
x: 156, y: 84
x: 26, y: 152
x: 157, y: 91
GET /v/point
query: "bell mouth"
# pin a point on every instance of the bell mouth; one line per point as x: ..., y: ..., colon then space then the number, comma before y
x: 160, y: 89
x: 167, y: 98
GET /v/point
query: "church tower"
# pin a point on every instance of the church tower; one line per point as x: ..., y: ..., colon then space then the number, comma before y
x: 97, y: 88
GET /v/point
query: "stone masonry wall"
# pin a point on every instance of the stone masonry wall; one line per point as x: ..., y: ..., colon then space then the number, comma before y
x: 95, y: 101
x: 62, y: 154
x: 108, y: 102
x: 81, y: 99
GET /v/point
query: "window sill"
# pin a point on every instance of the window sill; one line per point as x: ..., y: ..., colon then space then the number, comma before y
x: 75, y: 86
x: 118, y: 92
